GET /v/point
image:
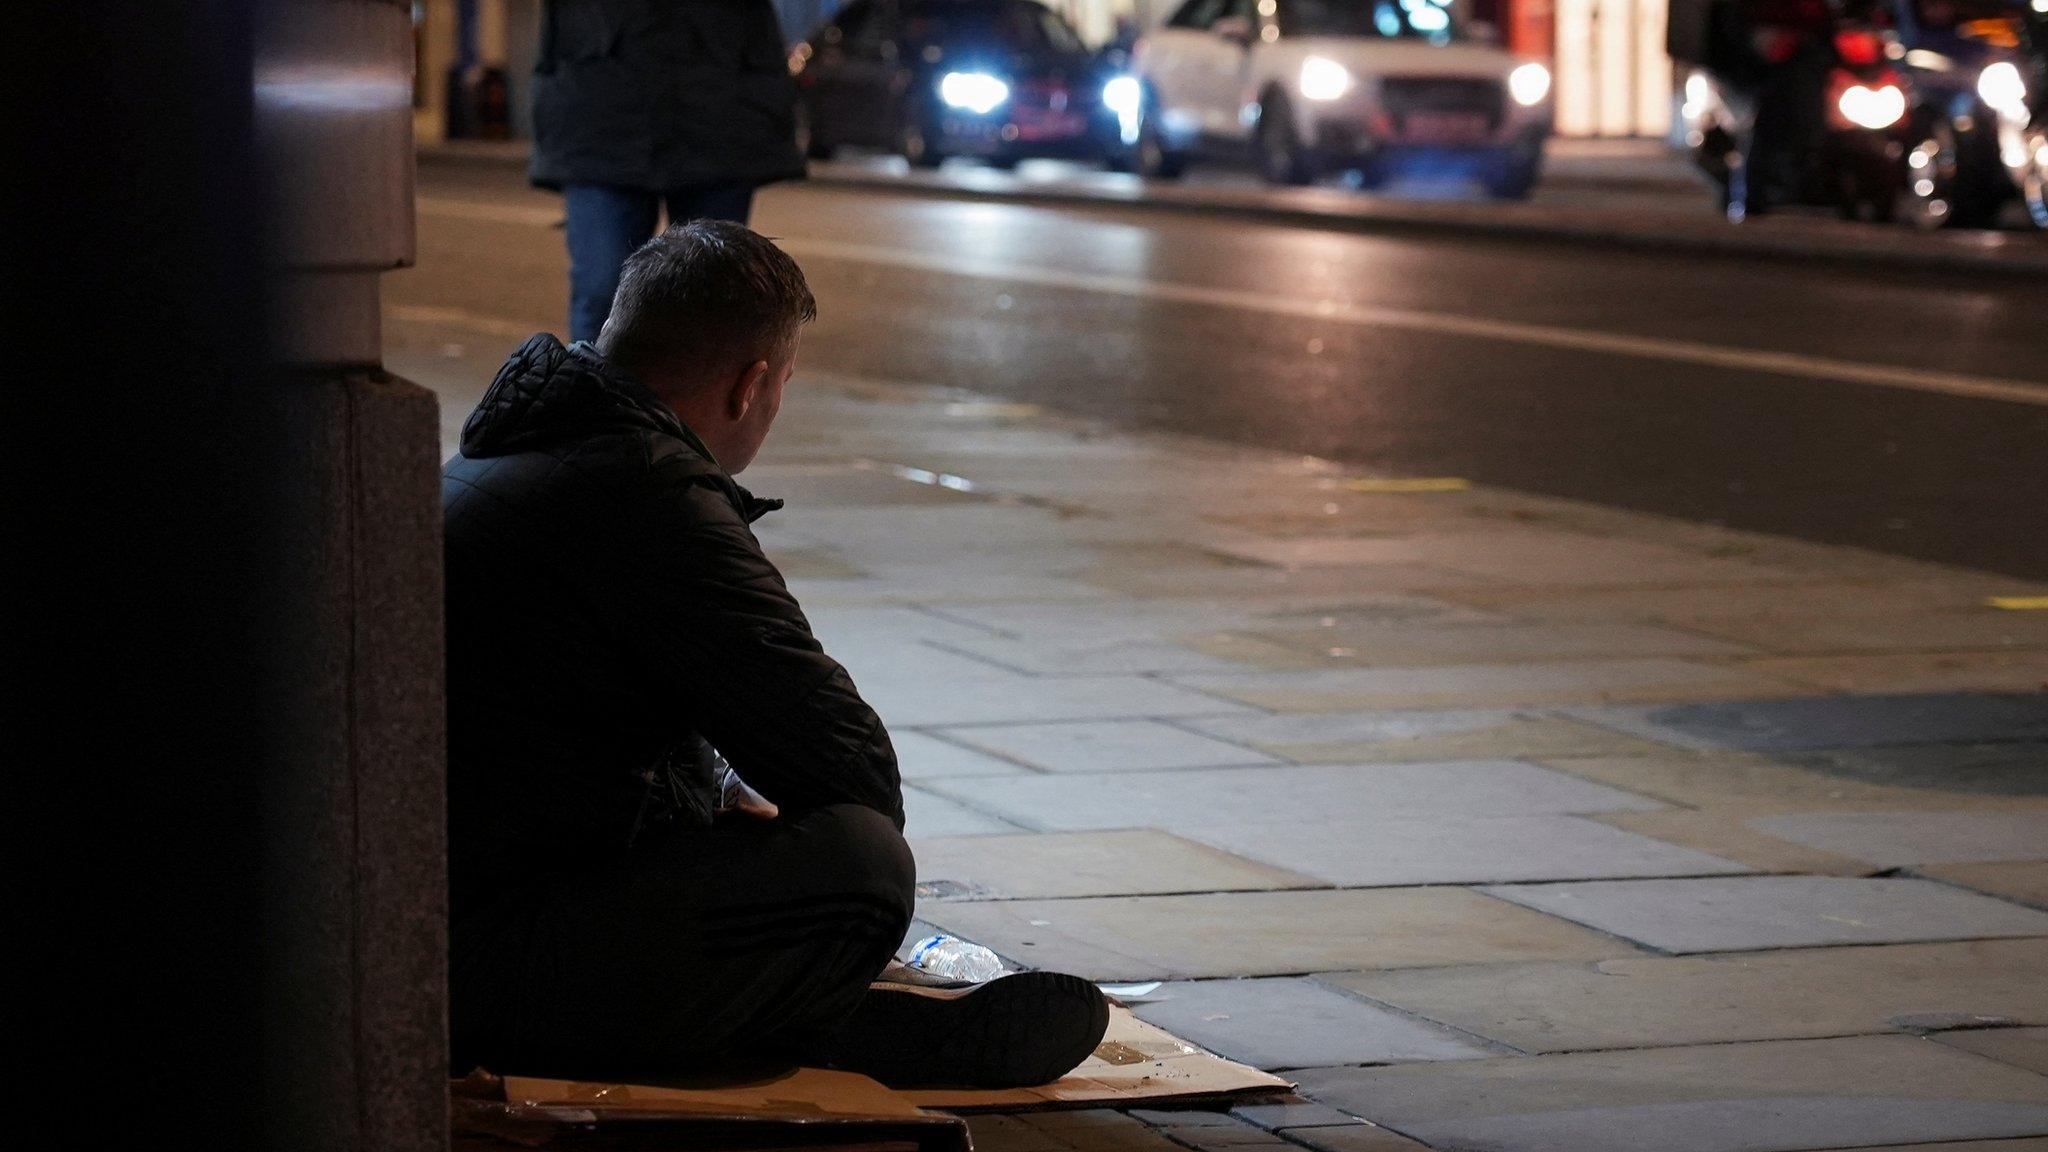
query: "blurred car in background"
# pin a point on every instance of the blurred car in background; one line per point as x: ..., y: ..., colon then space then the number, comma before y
x: 999, y: 80
x: 2022, y: 107
x: 1305, y: 88
x: 1927, y: 109
x: 1859, y: 167
x: 1964, y: 74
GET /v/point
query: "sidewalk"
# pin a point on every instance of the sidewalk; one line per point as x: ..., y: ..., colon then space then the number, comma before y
x: 1498, y: 822
x: 1502, y: 822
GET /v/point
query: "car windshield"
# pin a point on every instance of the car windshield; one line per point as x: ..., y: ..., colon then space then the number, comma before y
x: 1394, y: 19
x: 1018, y: 26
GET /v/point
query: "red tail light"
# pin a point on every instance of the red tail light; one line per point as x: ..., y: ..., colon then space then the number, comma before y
x: 1858, y: 49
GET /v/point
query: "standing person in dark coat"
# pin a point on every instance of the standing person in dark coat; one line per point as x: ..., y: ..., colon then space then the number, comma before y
x: 641, y: 103
x: 621, y: 655
x: 1776, y: 59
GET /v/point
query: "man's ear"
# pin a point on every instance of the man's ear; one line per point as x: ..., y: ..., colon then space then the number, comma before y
x: 746, y: 388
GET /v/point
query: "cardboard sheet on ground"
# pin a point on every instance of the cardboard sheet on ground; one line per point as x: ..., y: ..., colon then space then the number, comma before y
x: 789, y: 1108
x: 1135, y: 1063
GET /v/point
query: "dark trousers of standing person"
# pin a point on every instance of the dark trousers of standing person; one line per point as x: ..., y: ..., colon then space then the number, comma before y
x: 751, y: 938
x: 606, y: 224
x: 1786, y: 130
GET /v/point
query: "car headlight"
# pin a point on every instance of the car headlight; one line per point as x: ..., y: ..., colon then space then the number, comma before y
x: 2004, y: 90
x: 977, y: 92
x: 1872, y: 108
x: 1529, y: 84
x: 1324, y: 79
x: 1121, y: 95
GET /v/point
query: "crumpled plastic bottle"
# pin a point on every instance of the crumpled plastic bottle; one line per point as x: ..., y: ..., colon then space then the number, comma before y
x: 952, y: 958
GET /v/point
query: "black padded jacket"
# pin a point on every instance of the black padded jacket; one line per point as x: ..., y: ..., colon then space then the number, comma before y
x: 608, y: 607
x: 662, y: 95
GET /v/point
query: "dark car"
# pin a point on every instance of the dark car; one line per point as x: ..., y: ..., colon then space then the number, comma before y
x: 1000, y: 80
x: 1960, y: 58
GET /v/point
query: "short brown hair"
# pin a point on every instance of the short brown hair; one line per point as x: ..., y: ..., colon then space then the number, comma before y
x: 708, y: 295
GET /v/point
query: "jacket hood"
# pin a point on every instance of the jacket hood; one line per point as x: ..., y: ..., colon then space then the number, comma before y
x: 546, y: 393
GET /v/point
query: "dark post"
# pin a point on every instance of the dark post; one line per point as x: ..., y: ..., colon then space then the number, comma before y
x: 220, y: 676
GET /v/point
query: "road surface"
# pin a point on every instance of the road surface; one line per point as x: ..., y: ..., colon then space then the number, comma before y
x: 1904, y: 413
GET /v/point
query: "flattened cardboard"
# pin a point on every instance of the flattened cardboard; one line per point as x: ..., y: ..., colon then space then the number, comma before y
x: 793, y: 1094
x: 1136, y: 1063
x: 801, y: 1107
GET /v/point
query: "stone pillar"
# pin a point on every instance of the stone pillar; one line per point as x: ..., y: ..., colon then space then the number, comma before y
x: 358, y: 847
x: 220, y: 671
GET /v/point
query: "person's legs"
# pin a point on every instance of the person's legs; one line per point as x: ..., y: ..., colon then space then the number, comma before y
x: 730, y: 200
x: 605, y: 224
x: 751, y: 936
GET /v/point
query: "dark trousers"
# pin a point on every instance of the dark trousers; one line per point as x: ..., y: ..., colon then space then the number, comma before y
x: 752, y: 938
x: 1786, y: 131
x: 605, y: 224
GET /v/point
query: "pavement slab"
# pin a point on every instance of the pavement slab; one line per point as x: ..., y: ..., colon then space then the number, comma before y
x: 1974, y: 628
x: 1730, y: 914
x: 1386, y: 853
x: 1068, y: 864
x: 1127, y: 657
x: 920, y: 756
x: 1519, y: 556
x: 1758, y: 783
x: 1125, y: 619
x: 2021, y: 671
x: 1286, y: 797
x: 1268, y: 933
x: 1294, y: 1112
x: 1780, y: 1095
x: 2002, y: 770
x: 1252, y: 580
x: 1485, y: 734
x: 1895, y: 839
x: 1664, y: 1002
x: 2023, y: 882
x: 1766, y: 725
x: 2022, y: 1144
x: 1725, y: 832
x: 2020, y: 1047
x: 1353, y: 1138
x: 1489, y: 686
x: 1732, y: 604
x: 928, y: 815
x: 1107, y: 746
x: 1297, y: 1023
x: 935, y: 699
x: 1409, y: 645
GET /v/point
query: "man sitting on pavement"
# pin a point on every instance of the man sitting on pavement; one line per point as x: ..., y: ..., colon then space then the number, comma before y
x: 621, y: 655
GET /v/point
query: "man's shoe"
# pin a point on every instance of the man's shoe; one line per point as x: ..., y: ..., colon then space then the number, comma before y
x: 1014, y: 1031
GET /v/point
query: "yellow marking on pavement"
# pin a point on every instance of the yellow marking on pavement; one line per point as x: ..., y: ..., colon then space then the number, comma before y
x: 1409, y: 484
x: 1794, y: 364
x: 2021, y: 603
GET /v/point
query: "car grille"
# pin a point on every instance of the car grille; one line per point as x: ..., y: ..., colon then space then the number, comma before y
x: 1400, y: 96
x: 1042, y: 96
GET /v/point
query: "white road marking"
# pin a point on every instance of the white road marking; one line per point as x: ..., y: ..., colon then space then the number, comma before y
x: 1793, y: 364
